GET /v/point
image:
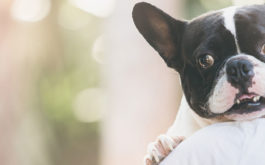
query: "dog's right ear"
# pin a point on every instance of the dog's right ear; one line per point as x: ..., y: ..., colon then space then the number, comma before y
x: 161, y: 31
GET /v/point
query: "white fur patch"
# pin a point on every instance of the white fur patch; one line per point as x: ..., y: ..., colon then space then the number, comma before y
x: 187, y: 121
x: 258, y: 80
x: 229, y: 23
x: 223, y: 96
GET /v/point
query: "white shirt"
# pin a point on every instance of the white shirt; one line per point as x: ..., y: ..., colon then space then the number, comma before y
x: 230, y: 143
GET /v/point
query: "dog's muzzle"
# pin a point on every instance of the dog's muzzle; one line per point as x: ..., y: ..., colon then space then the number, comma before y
x: 239, y: 92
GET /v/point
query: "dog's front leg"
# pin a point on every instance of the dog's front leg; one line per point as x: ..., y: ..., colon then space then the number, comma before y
x: 186, y: 123
x: 159, y: 149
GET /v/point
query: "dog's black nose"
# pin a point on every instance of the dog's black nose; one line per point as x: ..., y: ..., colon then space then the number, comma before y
x: 239, y: 71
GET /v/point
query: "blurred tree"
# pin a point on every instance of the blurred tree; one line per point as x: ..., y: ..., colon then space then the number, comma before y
x: 45, y: 64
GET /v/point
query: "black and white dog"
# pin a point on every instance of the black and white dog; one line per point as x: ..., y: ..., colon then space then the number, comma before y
x: 220, y: 57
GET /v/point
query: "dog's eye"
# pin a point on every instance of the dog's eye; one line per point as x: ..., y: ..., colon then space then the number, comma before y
x: 206, y: 61
x: 263, y: 50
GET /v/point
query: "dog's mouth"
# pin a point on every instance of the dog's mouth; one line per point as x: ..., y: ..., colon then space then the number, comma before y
x: 247, y: 103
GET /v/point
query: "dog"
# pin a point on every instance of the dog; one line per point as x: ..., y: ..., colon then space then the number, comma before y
x: 220, y: 57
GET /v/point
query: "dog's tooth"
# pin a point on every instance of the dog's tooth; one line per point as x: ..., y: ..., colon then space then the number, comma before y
x: 237, y: 101
x: 256, y: 98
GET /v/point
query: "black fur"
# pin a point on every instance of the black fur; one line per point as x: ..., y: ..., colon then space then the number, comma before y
x: 182, y: 43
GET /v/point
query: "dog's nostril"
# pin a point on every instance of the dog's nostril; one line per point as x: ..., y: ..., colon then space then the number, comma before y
x: 245, y: 68
x: 232, y: 71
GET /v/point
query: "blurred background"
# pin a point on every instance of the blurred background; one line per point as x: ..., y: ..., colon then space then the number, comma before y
x: 79, y: 85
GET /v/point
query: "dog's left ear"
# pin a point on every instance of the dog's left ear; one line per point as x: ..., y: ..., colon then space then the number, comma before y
x: 161, y: 31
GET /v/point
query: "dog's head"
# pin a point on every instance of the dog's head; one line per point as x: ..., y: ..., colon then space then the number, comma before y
x: 220, y: 57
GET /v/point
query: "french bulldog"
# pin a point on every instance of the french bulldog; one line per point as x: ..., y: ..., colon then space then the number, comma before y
x: 220, y: 58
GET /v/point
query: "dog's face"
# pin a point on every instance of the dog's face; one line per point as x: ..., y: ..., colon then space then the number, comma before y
x: 220, y: 57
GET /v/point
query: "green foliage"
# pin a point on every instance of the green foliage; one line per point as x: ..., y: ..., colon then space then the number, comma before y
x: 197, y: 7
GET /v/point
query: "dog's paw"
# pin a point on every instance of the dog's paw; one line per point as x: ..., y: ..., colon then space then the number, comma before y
x: 159, y: 149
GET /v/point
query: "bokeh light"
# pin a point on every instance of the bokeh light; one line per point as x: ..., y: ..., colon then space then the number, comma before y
x: 89, y: 105
x: 98, y: 50
x: 100, y: 8
x: 30, y: 10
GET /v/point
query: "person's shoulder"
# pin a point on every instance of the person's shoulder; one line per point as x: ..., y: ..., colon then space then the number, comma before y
x: 220, y: 143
